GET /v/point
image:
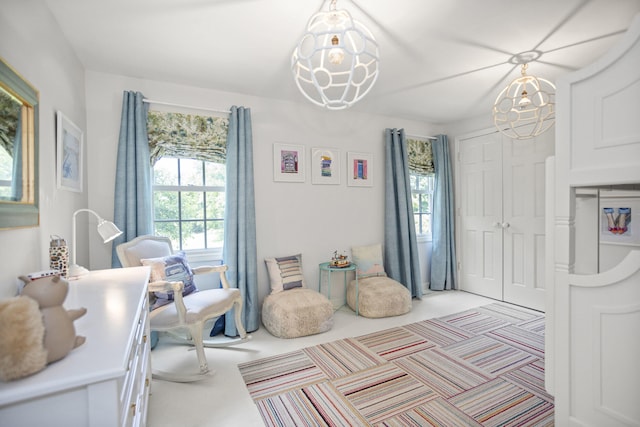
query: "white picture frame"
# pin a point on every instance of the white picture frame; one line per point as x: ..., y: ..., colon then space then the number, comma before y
x: 360, y: 169
x: 325, y: 166
x: 622, y: 211
x: 288, y: 163
x: 69, y: 154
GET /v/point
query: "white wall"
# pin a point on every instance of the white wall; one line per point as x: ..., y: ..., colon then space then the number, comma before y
x: 291, y: 218
x: 32, y: 43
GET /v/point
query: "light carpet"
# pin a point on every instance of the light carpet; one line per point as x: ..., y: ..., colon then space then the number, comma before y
x: 480, y: 367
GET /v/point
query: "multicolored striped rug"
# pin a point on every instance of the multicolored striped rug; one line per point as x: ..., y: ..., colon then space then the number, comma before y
x: 481, y: 367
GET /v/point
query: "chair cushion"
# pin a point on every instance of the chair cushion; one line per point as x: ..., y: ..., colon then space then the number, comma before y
x: 285, y: 273
x: 201, y: 306
x: 297, y: 313
x: 172, y: 268
x: 368, y: 260
x: 379, y: 297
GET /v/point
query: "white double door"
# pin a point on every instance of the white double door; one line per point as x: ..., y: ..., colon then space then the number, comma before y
x: 501, y: 205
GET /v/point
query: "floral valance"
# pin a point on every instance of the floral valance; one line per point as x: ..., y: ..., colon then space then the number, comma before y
x: 187, y: 136
x: 420, y: 156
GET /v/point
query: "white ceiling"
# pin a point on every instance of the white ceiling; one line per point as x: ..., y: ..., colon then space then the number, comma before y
x: 441, y: 60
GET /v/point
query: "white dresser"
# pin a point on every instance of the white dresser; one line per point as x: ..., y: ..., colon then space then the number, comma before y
x: 105, y: 381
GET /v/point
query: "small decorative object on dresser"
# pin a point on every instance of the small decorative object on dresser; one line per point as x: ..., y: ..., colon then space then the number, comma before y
x: 37, y: 329
x: 60, y: 335
x: 59, y: 255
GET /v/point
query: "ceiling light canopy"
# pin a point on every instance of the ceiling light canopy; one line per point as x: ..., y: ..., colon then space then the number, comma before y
x: 526, y: 107
x: 335, y: 63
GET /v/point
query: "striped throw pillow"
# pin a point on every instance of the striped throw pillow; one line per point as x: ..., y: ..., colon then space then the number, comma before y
x: 285, y: 273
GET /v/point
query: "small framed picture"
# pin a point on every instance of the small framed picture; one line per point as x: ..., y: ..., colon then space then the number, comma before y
x: 325, y: 166
x: 288, y: 163
x: 359, y: 169
x: 618, y: 224
x: 69, y: 141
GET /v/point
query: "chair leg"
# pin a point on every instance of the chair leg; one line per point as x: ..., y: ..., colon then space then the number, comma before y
x: 238, y: 317
x: 196, y: 335
x: 197, y: 342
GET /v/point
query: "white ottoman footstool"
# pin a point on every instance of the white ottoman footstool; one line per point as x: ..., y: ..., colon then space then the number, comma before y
x: 297, y: 313
x: 379, y: 297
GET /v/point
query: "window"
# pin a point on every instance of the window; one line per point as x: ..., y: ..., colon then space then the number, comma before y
x: 421, y: 199
x: 188, y: 154
x: 188, y: 202
x: 421, y: 174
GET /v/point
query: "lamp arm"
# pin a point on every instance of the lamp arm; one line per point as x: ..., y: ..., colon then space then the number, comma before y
x: 73, y: 230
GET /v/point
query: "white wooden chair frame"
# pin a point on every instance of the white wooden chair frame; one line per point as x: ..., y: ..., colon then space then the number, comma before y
x: 184, y: 319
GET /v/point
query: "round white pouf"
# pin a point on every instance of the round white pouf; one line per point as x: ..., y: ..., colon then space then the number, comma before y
x: 379, y: 297
x: 297, y: 313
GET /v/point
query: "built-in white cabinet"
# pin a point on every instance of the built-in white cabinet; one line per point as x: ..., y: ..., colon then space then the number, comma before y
x: 593, y: 320
x: 105, y: 381
x: 500, y: 216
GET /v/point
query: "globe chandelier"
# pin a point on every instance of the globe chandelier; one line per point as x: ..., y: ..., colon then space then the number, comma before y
x: 335, y: 64
x: 526, y: 107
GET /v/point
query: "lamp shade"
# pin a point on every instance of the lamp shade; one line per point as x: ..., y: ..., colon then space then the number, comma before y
x: 107, y: 230
x: 335, y: 63
x: 526, y: 107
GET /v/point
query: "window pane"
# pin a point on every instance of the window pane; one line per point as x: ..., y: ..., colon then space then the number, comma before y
x: 171, y: 230
x: 215, y: 174
x: 165, y: 205
x: 165, y: 172
x: 424, y: 203
x: 181, y: 215
x: 424, y: 183
x: 415, y: 202
x: 426, y: 224
x: 191, y: 172
x: 193, y: 235
x: 215, y: 234
x: 192, y: 205
x: 215, y: 205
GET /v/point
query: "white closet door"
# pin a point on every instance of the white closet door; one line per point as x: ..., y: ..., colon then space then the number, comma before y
x: 501, y: 218
x: 523, y: 220
x: 481, y: 215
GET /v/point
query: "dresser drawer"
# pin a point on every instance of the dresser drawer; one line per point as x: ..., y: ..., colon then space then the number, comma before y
x: 137, y: 380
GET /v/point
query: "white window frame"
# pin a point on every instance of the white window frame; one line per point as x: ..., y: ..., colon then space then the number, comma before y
x: 424, y: 236
x: 196, y: 256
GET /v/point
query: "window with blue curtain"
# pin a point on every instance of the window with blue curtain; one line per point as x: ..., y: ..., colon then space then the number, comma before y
x: 188, y: 155
x: 421, y: 175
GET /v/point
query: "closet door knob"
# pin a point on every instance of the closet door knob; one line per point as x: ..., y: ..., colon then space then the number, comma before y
x: 497, y: 224
x: 505, y: 225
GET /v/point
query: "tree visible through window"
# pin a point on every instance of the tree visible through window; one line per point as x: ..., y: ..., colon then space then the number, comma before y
x: 189, y: 201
